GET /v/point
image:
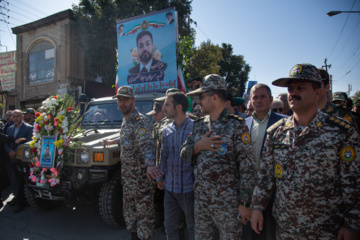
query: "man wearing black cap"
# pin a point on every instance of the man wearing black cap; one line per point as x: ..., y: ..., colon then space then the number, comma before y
x: 29, y: 116
x: 313, y: 160
x: 137, y: 167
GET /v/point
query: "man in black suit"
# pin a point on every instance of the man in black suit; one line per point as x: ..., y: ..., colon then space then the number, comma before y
x: 261, y: 119
x: 19, y: 129
x: 144, y: 43
x: 169, y: 17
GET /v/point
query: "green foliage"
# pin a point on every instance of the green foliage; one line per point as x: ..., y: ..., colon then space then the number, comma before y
x: 234, y: 69
x: 355, y: 96
x: 186, y: 51
x: 97, y: 28
x: 209, y: 58
x: 205, y: 60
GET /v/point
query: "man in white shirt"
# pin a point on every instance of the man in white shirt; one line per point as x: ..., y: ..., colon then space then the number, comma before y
x: 260, y: 120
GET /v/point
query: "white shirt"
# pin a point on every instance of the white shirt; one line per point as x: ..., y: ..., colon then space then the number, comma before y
x: 258, y: 130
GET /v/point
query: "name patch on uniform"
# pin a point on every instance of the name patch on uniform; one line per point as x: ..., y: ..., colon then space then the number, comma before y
x: 141, y: 131
x: 126, y: 143
x: 278, y: 171
x: 245, y: 137
x: 348, y: 154
x: 222, y: 149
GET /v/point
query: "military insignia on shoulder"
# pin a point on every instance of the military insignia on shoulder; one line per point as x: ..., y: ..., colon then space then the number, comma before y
x: 338, y: 122
x: 348, y: 118
x: 319, y: 124
x: 278, y: 171
x: 137, y: 118
x: 330, y: 109
x: 245, y: 137
x: 192, y: 116
x: 141, y: 131
x: 222, y: 150
x: 275, y: 125
x: 200, y: 119
x: 348, y: 154
x: 236, y: 117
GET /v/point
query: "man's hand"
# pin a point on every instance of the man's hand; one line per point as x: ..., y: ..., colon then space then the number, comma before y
x: 160, y: 185
x: 153, y: 172
x: 207, y: 143
x: 245, y: 213
x: 12, y: 154
x: 19, y: 140
x: 257, y: 219
x: 109, y: 142
x: 345, y: 234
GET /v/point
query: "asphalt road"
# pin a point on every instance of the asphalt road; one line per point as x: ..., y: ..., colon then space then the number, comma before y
x: 84, y: 222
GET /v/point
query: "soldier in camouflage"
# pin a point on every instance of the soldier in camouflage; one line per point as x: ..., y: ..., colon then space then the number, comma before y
x: 326, y: 105
x: 312, y: 159
x: 220, y: 150
x: 137, y: 167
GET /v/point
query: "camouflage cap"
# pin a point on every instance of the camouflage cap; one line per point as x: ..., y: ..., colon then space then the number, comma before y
x: 170, y: 90
x: 211, y: 81
x: 30, y: 110
x: 303, y: 71
x: 338, y: 97
x: 125, y: 91
x: 157, y: 107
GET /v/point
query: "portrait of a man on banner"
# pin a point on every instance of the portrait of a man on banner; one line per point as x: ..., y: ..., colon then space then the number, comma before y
x: 147, y: 52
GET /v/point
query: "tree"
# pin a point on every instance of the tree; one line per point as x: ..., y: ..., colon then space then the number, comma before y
x: 234, y: 69
x: 205, y: 60
x: 355, y: 96
x: 97, y: 28
x: 209, y: 58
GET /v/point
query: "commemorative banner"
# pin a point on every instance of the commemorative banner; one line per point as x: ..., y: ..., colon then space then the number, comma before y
x: 147, y: 52
x: 7, y: 71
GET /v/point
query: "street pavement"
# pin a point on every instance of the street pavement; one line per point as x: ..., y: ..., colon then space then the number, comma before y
x: 84, y: 222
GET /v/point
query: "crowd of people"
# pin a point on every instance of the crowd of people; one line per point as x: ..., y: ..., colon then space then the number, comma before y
x: 283, y: 168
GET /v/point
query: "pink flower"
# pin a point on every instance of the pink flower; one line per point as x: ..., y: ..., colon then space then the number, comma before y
x: 44, y: 169
x: 41, y: 181
x: 52, y: 170
x: 37, y: 163
x: 33, y: 178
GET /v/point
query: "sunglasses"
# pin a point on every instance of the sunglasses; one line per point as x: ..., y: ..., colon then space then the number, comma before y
x: 278, y: 109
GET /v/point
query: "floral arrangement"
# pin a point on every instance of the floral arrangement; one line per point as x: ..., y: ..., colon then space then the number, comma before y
x: 55, y: 118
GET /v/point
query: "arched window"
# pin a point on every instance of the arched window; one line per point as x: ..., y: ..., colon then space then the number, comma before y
x: 41, y: 63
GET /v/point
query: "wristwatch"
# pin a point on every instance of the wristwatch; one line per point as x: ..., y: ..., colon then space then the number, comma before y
x: 150, y: 163
x: 246, y: 204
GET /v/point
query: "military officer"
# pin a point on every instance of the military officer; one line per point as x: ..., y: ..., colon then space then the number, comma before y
x: 137, y: 167
x: 329, y: 107
x: 313, y: 160
x: 220, y: 150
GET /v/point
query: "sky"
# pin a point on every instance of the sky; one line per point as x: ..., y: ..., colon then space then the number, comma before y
x: 272, y: 35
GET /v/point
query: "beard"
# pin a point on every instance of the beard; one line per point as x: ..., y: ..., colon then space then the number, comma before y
x: 145, y: 57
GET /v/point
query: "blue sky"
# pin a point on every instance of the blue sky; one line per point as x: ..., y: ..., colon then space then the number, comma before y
x: 272, y: 35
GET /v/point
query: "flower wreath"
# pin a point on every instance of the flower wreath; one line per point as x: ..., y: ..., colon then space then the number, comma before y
x: 55, y: 118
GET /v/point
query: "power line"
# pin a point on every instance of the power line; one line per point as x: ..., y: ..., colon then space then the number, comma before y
x: 342, y: 30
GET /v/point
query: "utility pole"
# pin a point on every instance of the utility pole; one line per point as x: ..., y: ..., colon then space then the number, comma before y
x: 326, y: 69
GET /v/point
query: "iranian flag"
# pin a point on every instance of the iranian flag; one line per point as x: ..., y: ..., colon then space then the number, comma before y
x: 180, y: 78
x: 116, y: 81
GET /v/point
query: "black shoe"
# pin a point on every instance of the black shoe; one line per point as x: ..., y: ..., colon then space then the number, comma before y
x: 134, y: 236
x: 19, y: 208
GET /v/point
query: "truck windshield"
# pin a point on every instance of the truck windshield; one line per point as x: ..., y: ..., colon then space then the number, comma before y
x: 103, y: 114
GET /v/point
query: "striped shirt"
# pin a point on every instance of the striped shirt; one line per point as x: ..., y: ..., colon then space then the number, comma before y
x: 179, y: 177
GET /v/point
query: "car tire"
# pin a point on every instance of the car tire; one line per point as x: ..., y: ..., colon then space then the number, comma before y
x: 111, y: 201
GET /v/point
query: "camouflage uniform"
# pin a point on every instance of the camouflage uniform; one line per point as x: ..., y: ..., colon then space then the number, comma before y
x: 137, y: 147
x: 315, y: 169
x: 222, y: 179
x: 342, y: 112
x: 157, y: 131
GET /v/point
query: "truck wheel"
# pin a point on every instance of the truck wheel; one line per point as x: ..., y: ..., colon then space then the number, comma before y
x: 38, y: 203
x: 111, y: 201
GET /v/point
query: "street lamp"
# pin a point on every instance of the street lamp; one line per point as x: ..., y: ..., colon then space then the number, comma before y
x: 332, y: 13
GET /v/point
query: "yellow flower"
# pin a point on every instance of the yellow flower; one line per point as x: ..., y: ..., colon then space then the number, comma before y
x: 32, y: 144
x: 61, y: 118
x: 59, y: 143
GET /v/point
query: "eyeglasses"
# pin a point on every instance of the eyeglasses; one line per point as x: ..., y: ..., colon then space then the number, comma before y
x: 278, y: 109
